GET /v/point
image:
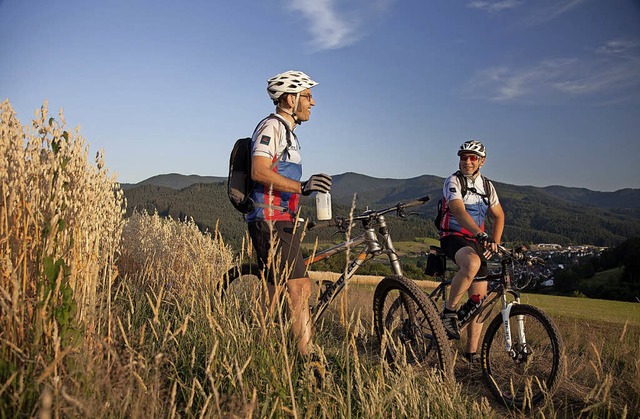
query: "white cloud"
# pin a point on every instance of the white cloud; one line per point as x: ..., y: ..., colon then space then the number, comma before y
x: 333, y: 28
x: 618, y: 46
x: 494, y: 6
x: 604, y: 75
x: 555, y: 9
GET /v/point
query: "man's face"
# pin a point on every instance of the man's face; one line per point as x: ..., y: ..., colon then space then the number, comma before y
x: 304, y: 105
x: 470, y: 163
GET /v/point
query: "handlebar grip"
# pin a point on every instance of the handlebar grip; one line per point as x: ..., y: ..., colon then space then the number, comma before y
x: 313, y: 225
x: 419, y: 201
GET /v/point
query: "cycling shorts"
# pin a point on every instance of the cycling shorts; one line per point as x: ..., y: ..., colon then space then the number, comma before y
x: 452, y: 243
x: 291, y: 264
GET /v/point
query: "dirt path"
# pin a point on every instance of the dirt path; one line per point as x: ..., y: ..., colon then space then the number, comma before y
x: 363, y: 279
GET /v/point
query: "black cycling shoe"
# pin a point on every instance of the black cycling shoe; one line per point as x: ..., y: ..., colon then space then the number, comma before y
x: 450, y: 323
x: 472, y: 358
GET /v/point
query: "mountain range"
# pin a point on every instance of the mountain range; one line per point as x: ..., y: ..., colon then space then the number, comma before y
x: 554, y: 214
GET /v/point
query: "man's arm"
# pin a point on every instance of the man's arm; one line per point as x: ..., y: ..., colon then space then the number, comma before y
x: 498, y: 222
x: 261, y: 172
x: 456, y: 206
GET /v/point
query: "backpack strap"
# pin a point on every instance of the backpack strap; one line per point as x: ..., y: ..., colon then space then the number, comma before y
x: 275, y: 163
x: 464, y: 187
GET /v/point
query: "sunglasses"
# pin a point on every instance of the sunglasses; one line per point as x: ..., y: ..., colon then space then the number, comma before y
x: 471, y: 157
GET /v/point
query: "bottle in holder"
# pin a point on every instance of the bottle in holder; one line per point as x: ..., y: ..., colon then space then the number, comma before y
x: 323, y: 206
x: 467, y: 308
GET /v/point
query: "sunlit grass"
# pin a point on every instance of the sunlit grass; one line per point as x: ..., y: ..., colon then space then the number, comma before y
x: 106, y: 317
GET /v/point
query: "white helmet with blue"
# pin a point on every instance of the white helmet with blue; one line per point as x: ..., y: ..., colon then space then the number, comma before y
x: 472, y: 147
x: 288, y: 82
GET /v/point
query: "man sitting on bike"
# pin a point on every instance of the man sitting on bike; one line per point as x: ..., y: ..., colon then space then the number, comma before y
x: 462, y: 235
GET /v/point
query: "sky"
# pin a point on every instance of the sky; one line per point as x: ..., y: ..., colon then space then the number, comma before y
x: 551, y: 87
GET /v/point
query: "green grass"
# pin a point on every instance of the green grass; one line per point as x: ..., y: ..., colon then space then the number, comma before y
x: 618, y: 312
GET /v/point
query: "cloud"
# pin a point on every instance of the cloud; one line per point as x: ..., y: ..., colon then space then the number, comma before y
x: 605, y: 74
x: 494, y: 6
x: 555, y: 9
x: 331, y: 28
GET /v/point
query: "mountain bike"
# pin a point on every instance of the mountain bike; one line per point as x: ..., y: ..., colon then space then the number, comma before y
x: 521, y: 354
x: 406, y: 322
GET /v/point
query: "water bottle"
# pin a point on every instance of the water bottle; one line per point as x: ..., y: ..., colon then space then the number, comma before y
x: 467, y: 308
x: 323, y: 206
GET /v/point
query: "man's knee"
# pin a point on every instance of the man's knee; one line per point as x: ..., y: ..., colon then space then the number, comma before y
x: 299, y: 287
x: 468, y: 261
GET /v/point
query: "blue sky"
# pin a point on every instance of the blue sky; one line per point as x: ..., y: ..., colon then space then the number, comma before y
x: 552, y: 87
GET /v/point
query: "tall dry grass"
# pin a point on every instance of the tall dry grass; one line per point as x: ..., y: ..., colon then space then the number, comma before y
x: 60, y: 223
x: 102, y: 317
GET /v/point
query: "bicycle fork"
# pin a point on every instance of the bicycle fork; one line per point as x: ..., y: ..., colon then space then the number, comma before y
x: 506, y: 312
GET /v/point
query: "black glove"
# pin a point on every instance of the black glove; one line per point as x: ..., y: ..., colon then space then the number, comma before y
x: 483, y: 238
x: 316, y: 183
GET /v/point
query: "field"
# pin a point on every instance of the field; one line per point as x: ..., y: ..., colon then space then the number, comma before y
x: 602, y: 347
x: 102, y: 316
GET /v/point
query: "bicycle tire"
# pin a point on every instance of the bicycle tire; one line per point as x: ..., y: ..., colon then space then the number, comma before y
x: 244, y: 288
x: 408, y: 326
x: 523, y: 378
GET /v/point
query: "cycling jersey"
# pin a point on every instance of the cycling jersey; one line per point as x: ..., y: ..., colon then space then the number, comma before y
x: 475, y: 202
x: 270, y: 140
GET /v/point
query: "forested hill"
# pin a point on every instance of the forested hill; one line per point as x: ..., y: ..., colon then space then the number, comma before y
x: 553, y: 214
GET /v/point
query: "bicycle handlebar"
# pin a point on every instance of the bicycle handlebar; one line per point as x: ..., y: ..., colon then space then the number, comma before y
x: 342, y: 222
x: 399, y: 208
x: 518, y: 255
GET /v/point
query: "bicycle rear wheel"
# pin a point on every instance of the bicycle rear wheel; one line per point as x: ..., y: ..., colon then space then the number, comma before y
x: 522, y: 377
x: 408, y: 326
x: 244, y: 288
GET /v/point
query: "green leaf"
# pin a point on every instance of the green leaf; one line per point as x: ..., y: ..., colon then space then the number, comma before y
x: 51, y: 269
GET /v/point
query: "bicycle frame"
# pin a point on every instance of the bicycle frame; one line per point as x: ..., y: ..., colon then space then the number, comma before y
x: 498, y: 287
x: 375, y: 243
x: 373, y: 247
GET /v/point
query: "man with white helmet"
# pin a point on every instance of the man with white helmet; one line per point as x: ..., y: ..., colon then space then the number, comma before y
x: 276, y: 169
x: 462, y: 236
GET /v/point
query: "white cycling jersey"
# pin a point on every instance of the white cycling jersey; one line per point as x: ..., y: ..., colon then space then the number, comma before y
x: 475, y: 202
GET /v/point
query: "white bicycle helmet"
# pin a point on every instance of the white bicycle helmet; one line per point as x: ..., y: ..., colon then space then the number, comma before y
x: 288, y: 82
x: 473, y: 147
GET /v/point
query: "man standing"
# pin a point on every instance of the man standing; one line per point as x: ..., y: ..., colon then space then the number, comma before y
x: 276, y: 169
x: 467, y: 199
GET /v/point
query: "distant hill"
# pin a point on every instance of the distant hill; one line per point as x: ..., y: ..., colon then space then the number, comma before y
x: 553, y: 214
x: 623, y: 198
x: 175, y: 181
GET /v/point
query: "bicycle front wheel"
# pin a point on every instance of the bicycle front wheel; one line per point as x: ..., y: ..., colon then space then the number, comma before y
x: 522, y: 376
x: 408, y: 326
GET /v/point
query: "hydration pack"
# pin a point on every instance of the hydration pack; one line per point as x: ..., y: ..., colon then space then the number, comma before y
x: 239, y: 182
x: 463, y: 190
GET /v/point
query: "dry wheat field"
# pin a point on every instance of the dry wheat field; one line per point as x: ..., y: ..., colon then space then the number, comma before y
x: 102, y: 316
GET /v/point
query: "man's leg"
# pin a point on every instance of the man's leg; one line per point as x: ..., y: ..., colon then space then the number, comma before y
x: 475, y: 329
x: 299, y: 291
x: 468, y: 263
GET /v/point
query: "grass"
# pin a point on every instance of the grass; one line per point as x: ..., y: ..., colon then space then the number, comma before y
x: 106, y: 317
x: 587, y: 309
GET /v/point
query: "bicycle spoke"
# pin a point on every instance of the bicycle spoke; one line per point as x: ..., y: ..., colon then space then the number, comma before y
x: 409, y: 327
x: 524, y: 375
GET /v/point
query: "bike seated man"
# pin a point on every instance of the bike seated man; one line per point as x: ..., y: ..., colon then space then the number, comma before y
x: 462, y: 235
x: 276, y: 169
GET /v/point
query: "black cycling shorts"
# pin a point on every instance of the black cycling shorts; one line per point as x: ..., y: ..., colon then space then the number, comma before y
x: 291, y: 264
x: 452, y: 243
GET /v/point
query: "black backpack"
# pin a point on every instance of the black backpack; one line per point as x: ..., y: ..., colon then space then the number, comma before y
x: 463, y: 189
x: 239, y: 182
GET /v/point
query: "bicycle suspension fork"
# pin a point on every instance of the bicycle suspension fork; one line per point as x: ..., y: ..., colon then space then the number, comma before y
x: 506, y: 324
x: 383, y: 230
